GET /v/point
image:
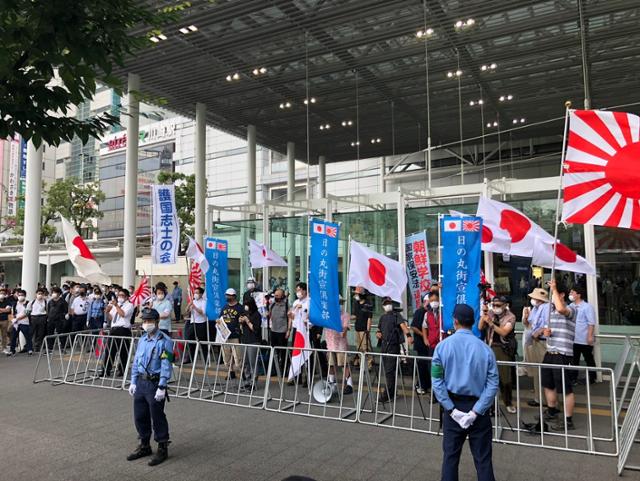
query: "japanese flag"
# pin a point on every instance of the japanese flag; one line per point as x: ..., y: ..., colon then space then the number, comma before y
x: 196, y: 254
x: 299, y: 354
x: 380, y: 275
x: 566, y: 259
x: 506, y: 230
x: 81, y: 257
x: 318, y: 228
x: 453, y: 225
x: 261, y: 256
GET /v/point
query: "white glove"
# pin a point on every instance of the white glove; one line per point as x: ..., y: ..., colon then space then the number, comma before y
x: 468, y: 420
x: 66, y: 316
x: 458, y: 416
x: 160, y: 394
x: 132, y: 389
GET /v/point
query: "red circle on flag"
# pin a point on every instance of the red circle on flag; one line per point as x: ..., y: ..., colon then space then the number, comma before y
x: 487, y: 235
x: 515, y: 223
x: 377, y: 272
x: 84, y: 250
x: 565, y: 254
x: 623, y: 179
x: 298, y: 344
x: 264, y: 252
x: 452, y: 225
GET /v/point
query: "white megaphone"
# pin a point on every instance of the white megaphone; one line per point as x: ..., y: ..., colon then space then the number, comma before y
x: 323, y: 391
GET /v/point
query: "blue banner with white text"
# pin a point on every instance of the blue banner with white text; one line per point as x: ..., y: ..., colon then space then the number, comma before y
x: 324, y: 292
x: 217, y: 277
x: 461, y: 254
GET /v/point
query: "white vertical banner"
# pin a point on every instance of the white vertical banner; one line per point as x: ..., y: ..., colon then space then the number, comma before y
x: 14, y: 173
x: 166, y: 230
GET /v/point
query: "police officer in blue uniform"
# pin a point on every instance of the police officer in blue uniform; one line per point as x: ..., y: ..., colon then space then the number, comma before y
x: 464, y: 377
x: 150, y: 373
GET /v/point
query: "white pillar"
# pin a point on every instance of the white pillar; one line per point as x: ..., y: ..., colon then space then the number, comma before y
x: 131, y: 184
x: 200, y: 171
x: 251, y: 164
x: 32, y: 221
x: 592, y: 288
x: 47, y: 281
x: 322, y: 177
x: 402, y: 258
x: 291, y: 185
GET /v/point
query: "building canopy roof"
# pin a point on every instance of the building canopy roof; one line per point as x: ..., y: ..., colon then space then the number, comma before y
x: 363, y: 62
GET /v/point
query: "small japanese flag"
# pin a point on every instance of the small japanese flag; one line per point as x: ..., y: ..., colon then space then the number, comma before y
x: 211, y: 245
x: 318, y: 228
x: 453, y: 225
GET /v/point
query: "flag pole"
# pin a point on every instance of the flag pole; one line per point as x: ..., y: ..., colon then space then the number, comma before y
x: 567, y: 106
x: 440, y: 273
x: 151, y: 237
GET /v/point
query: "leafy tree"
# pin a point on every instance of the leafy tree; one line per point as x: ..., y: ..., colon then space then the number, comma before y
x: 77, y: 42
x: 185, y: 187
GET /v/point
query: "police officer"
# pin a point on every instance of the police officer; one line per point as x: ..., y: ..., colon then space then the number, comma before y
x: 391, y: 326
x: 150, y: 374
x: 464, y: 376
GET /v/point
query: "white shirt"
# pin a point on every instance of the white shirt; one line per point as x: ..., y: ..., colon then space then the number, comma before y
x: 20, y: 308
x: 79, y: 306
x: 302, y: 314
x: 196, y: 317
x: 39, y: 308
x: 121, y: 321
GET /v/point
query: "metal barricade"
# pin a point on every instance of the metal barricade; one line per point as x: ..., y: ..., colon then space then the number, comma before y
x: 629, y: 430
x: 52, y: 359
x: 321, y: 389
x: 631, y: 357
x: 230, y: 373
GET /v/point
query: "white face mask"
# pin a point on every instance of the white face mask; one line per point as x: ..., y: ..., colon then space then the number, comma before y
x: 356, y: 297
x: 534, y: 303
x: 148, y: 327
x: 299, y: 295
x: 388, y: 307
x: 21, y: 298
x: 434, y: 305
x: 121, y: 300
x: 160, y: 297
x: 246, y: 308
x: 250, y: 285
x: 2, y: 297
x: 498, y: 310
x: 54, y: 295
x: 572, y: 298
x: 197, y: 296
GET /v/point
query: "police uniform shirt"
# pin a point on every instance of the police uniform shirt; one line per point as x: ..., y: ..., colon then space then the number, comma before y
x: 231, y: 316
x: 389, y: 327
x: 154, y: 356
x: 122, y: 321
x: 79, y: 306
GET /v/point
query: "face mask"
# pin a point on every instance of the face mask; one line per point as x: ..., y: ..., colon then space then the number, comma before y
x: 356, y: 297
x: 498, y: 310
x: 121, y: 300
x: 197, y: 296
x: 229, y: 300
x: 148, y: 327
x: 388, y: 307
x: 160, y: 296
x: 434, y: 305
x: 21, y: 298
x: 54, y: 295
x: 250, y: 285
x: 534, y: 303
x: 299, y: 295
x: 76, y: 290
x: 2, y: 297
x: 572, y: 298
x: 246, y: 308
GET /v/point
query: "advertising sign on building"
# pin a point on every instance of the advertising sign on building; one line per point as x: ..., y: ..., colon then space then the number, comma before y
x: 150, y: 134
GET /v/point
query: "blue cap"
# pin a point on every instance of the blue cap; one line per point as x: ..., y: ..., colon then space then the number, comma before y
x: 464, y: 314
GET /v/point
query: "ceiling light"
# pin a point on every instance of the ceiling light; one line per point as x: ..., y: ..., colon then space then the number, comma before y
x: 476, y: 102
x: 356, y: 143
x: 313, y: 101
x: 263, y: 70
x: 449, y: 74
x: 347, y: 123
x: 259, y: 71
x: 325, y: 126
x: 184, y: 30
x: 491, y: 66
x: 458, y: 73
x: 492, y: 124
x: 229, y: 78
x: 522, y: 120
x: 471, y: 21
x: 236, y: 76
x: 459, y: 24
x: 377, y: 140
x: 462, y: 24
x: 154, y: 39
x: 285, y: 105
x: 193, y: 28
x: 424, y: 33
x: 162, y: 36
x: 509, y: 97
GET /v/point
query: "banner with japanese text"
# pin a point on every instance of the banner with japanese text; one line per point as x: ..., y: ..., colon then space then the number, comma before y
x: 418, y: 267
x: 461, y: 254
x: 324, y: 292
x: 166, y: 230
x: 217, y: 276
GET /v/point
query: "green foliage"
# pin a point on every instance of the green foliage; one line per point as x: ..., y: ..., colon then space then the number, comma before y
x: 77, y: 41
x: 185, y: 186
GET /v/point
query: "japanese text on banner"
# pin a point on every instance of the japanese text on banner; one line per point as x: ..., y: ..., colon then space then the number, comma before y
x: 166, y: 230
x: 324, y: 296
x: 217, y: 276
x: 418, y: 267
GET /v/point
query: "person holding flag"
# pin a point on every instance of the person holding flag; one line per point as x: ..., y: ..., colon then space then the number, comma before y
x: 299, y: 315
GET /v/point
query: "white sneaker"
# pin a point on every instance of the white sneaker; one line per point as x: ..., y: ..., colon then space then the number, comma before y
x: 511, y: 410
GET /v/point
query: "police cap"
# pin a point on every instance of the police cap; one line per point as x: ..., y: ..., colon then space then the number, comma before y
x: 463, y: 313
x: 149, y: 314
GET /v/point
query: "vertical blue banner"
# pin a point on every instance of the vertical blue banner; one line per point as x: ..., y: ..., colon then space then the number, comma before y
x: 324, y: 309
x: 23, y: 172
x: 461, y: 242
x: 217, y: 277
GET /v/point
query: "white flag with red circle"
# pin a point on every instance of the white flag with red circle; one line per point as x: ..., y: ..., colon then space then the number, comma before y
x: 196, y: 254
x: 301, y: 344
x: 506, y: 230
x: 566, y: 259
x: 262, y: 256
x: 377, y: 273
x: 602, y: 169
x: 81, y: 257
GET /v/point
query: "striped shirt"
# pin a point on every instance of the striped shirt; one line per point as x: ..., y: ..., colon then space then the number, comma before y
x: 563, y: 331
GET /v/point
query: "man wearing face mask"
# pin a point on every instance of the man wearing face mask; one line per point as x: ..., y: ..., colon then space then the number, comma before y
x: 362, y: 314
x: 150, y: 372
x: 391, y: 326
x: 585, y: 331
x: 280, y: 326
x: 38, y: 318
x: 200, y: 327
x: 21, y: 324
x: 251, y: 290
x: 5, y: 309
x: 230, y: 314
x: 535, y: 344
x: 164, y: 308
x: 57, y: 308
x: 78, y: 309
x: 500, y: 324
x: 421, y: 346
x: 119, y: 313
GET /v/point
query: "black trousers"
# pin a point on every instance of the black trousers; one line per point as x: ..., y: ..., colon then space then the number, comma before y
x: 198, y: 332
x: 38, y: 330
x: 55, y: 326
x: 586, y: 351
x: 390, y: 367
x: 279, y: 339
x: 424, y: 366
x: 453, y: 439
x: 117, y: 348
x: 148, y: 413
x: 176, y: 309
x: 315, y: 339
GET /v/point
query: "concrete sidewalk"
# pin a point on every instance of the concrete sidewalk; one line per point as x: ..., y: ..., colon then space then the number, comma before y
x: 70, y: 433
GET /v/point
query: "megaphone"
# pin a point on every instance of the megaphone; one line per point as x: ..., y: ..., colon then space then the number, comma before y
x: 323, y: 391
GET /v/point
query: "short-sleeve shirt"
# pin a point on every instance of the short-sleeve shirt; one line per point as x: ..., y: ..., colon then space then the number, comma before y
x: 585, y: 317
x: 363, y: 313
x: 164, y: 307
x: 4, y: 316
x: 79, y: 306
x: 196, y: 317
x: 335, y: 340
x: 563, y: 330
x: 418, y: 322
x: 231, y: 316
x: 122, y: 321
x: 19, y: 309
x: 301, y: 314
x: 389, y: 327
x: 39, y: 308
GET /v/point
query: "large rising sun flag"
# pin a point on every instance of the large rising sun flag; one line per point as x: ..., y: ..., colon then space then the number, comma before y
x: 602, y: 169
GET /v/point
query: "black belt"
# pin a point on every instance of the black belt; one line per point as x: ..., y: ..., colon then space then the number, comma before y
x: 152, y: 378
x: 462, y: 397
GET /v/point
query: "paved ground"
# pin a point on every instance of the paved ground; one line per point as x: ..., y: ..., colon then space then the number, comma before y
x: 73, y: 433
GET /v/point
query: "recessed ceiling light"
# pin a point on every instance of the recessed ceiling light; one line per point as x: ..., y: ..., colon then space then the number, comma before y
x: 154, y: 39
x: 162, y: 36
x: 193, y: 28
x: 184, y: 30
